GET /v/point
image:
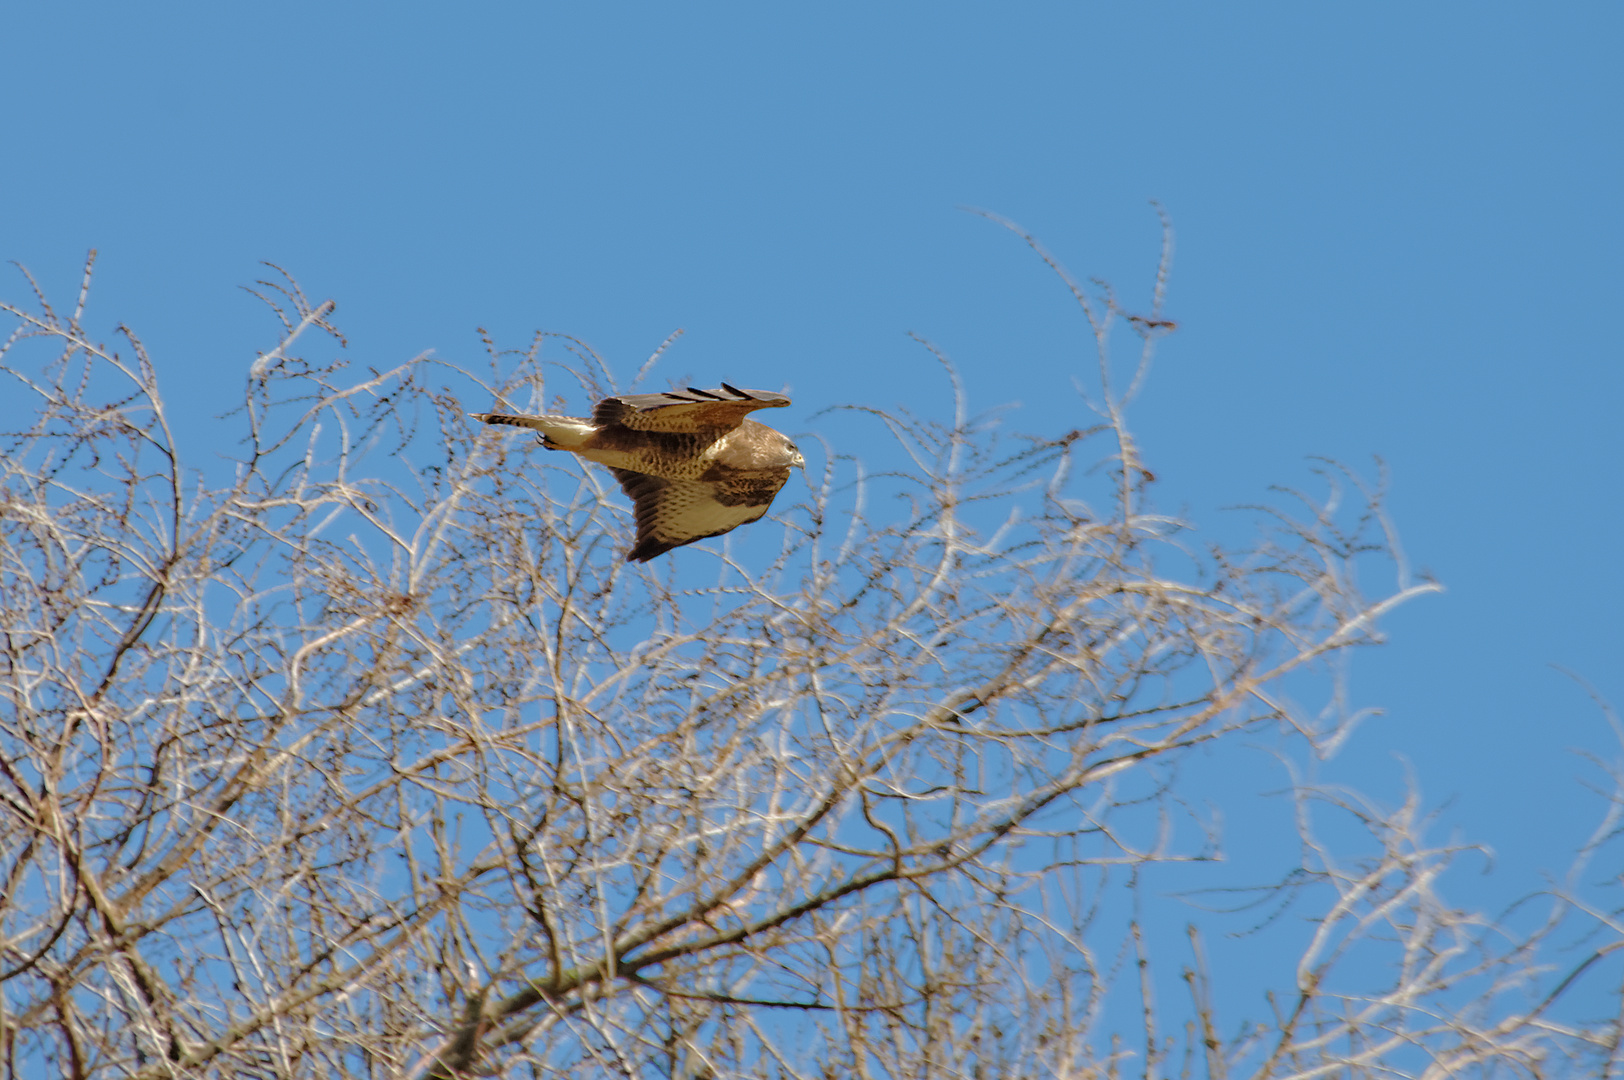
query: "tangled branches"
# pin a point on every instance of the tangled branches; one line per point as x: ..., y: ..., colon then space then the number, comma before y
x: 365, y: 753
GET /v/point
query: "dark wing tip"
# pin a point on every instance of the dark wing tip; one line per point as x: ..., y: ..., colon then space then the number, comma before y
x: 693, y: 395
x: 649, y: 548
x: 763, y: 398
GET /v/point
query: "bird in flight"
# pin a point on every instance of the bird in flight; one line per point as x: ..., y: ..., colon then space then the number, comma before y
x: 690, y: 461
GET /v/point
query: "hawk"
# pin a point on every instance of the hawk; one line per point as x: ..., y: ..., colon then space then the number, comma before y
x: 690, y: 461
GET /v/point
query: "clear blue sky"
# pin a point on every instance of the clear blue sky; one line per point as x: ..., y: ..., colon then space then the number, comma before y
x: 1399, y: 233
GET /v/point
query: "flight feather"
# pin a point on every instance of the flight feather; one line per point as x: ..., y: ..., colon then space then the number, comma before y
x: 691, y: 461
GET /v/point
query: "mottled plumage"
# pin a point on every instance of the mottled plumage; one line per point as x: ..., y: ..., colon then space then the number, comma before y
x: 692, y: 464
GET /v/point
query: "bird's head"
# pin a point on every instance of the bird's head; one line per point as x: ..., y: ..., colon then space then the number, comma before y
x: 796, y: 461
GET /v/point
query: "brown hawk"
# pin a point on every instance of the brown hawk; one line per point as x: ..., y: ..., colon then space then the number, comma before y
x: 692, y: 464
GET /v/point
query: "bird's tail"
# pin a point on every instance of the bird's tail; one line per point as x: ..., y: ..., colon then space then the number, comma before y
x: 557, y: 432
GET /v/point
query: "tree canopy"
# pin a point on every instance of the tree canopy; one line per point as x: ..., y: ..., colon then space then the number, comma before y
x: 355, y: 747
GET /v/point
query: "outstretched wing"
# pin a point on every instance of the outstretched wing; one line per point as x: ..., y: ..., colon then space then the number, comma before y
x: 687, y: 410
x: 671, y: 513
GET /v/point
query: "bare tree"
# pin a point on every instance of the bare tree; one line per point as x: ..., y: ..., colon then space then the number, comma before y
x: 363, y: 753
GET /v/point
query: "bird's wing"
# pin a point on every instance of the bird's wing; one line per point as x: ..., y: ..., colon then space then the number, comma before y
x: 687, y: 410
x: 671, y: 513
